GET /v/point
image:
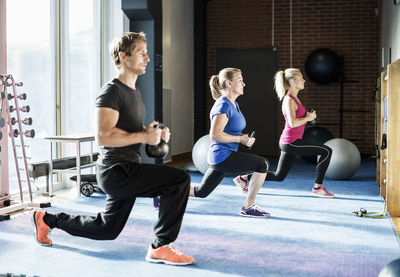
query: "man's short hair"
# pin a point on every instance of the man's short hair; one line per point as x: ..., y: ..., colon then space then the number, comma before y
x: 124, y: 43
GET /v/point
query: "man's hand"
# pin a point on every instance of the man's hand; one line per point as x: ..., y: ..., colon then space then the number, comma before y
x: 153, y: 135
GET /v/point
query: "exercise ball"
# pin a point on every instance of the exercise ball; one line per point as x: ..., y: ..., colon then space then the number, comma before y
x: 316, y: 134
x: 392, y: 269
x: 200, y: 152
x: 323, y: 66
x: 345, y: 160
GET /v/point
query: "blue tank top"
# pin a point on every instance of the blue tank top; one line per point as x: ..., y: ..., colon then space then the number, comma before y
x: 219, y: 151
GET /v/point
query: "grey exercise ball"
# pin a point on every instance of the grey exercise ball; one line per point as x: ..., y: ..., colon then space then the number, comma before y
x: 392, y: 269
x: 345, y: 161
x: 200, y: 152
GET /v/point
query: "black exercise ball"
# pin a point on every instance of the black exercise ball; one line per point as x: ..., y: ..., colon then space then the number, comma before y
x: 318, y: 135
x: 323, y: 66
x: 157, y: 151
x: 392, y: 269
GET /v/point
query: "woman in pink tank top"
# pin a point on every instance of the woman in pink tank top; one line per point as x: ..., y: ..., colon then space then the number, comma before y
x: 288, y: 84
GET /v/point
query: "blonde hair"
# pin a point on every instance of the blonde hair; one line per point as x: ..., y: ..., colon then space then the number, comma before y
x: 217, y: 82
x: 124, y: 43
x: 282, y: 81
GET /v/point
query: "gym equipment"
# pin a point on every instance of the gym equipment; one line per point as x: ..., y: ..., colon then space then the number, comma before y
x: 67, y: 165
x: 316, y: 134
x: 18, y: 150
x: 323, y: 66
x: 312, y: 122
x: 88, y: 184
x: 26, y: 121
x: 392, y: 269
x: 27, y: 133
x: 22, y: 96
x: 25, y: 109
x: 345, y: 160
x: 252, y: 135
x: 160, y: 150
x: 362, y: 212
x: 200, y: 152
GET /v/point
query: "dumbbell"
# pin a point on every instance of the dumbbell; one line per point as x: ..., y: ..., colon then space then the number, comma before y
x: 19, y: 84
x: 26, y: 121
x: 23, y: 109
x: 27, y: 133
x: 252, y: 135
x: 22, y: 96
x: 160, y: 150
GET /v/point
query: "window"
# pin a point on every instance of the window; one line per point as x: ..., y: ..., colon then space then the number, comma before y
x: 83, y: 73
x: 30, y: 60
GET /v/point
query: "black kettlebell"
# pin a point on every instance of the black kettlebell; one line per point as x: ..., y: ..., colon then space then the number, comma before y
x: 312, y: 122
x: 160, y: 150
x: 252, y: 135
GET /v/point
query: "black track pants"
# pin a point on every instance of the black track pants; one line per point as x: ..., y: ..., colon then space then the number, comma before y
x: 303, y: 148
x: 122, y: 183
x: 236, y: 163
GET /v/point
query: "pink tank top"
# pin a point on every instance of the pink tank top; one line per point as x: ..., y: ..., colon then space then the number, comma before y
x: 290, y: 134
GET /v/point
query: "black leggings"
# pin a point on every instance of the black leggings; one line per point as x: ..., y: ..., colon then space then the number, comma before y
x: 122, y: 183
x: 236, y: 163
x: 303, y: 148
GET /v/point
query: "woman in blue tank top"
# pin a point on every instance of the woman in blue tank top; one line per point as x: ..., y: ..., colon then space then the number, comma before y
x: 227, y: 124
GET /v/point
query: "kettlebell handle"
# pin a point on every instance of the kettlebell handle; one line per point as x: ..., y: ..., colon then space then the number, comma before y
x: 159, y: 125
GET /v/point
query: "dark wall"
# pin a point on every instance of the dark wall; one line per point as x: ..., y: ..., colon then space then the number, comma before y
x: 146, y: 16
x: 348, y: 27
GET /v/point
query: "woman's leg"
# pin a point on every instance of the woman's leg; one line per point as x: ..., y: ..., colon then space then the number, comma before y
x: 307, y: 148
x: 255, y: 184
x: 210, y: 181
x: 239, y: 162
x: 284, y: 165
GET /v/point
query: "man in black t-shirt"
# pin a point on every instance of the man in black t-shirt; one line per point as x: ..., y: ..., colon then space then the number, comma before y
x: 120, y: 173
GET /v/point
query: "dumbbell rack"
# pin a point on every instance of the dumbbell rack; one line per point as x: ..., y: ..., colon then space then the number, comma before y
x: 10, y: 105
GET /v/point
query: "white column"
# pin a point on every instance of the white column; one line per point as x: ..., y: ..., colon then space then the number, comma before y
x: 4, y: 187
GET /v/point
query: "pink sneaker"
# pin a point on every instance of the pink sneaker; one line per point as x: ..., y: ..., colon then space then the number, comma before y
x: 241, y: 184
x: 321, y: 192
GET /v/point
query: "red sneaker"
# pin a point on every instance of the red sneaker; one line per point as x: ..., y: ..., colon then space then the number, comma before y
x: 168, y: 254
x: 42, y: 230
x: 321, y: 192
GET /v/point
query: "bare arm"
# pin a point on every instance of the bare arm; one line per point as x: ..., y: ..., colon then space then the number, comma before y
x: 107, y: 134
x: 217, y: 132
x: 289, y: 108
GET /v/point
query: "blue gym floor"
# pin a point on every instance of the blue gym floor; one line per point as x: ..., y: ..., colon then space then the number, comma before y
x: 305, y: 236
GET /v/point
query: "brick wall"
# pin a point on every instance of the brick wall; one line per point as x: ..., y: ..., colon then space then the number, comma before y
x: 348, y: 27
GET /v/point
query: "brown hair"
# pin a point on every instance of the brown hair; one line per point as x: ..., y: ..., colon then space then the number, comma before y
x: 124, y: 43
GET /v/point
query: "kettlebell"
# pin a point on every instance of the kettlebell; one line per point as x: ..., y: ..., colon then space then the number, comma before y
x: 312, y: 122
x: 160, y: 150
x: 251, y: 136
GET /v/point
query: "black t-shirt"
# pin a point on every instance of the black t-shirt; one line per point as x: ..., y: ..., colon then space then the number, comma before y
x: 128, y: 102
